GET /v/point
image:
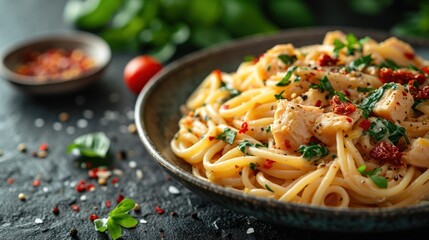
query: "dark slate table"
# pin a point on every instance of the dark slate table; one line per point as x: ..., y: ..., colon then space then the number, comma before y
x: 108, y: 107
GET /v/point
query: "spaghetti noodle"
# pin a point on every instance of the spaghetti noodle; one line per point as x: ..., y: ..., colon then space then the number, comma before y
x: 343, y: 124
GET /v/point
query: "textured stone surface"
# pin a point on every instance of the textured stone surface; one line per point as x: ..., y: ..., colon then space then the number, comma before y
x: 111, y: 104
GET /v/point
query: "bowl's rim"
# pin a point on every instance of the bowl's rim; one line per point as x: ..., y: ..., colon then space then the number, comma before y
x: 84, y: 38
x: 189, y: 178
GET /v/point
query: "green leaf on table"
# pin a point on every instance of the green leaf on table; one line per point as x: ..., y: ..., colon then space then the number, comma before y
x: 115, y: 230
x: 125, y: 220
x: 100, y: 224
x: 123, y: 207
x: 91, y: 145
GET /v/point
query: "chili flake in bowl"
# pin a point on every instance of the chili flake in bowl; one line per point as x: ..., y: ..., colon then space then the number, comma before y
x: 57, y: 63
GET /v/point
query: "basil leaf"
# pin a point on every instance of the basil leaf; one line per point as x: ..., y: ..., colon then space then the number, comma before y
x: 381, y: 129
x: 361, y: 63
x: 100, y: 224
x: 388, y: 63
x: 227, y: 136
x: 91, y: 145
x: 124, y: 206
x: 287, y: 59
x: 313, y: 151
x: 368, y: 103
x: 286, y: 79
x: 124, y: 220
x: 115, y: 230
x: 324, y: 85
x: 380, y: 181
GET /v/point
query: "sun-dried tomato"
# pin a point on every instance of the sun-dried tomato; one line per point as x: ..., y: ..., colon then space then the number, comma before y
x: 416, y: 92
x: 343, y: 108
x: 326, y: 60
x: 386, y: 152
x: 401, y: 76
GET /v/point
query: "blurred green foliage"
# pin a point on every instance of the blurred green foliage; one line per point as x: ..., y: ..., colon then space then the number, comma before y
x: 163, y: 27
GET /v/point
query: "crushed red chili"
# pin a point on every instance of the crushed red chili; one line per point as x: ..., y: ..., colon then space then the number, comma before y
x: 268, y: 163
x: 244, y: 127
x: 287, y: 144
x: 159, y: 210
x: 55, y: 63
x: 326, y: 60
x: 365, y: 124
x: 218, y: 74
x: 409, y: 55
x: 385, y: 152
x: 93, y: 217
x: 343, y: 108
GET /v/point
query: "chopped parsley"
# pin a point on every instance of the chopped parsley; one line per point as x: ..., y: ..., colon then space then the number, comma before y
x: 351, y: 44
x: 249, y: 58
x: 227, y: 136
x: 324, y: 85
x: 287, y: 59
x: 381, y: 129
x: 286, y: 79
x: 246, y: 143
x: 360, y: 63
x: 232, y: 92
x: 313, y: 151
x: 252, y: 166
x: 368, y: 103
x: 279, y: 96
x: 365, y: 90
x: 388, y: 63
x: 380, y: 181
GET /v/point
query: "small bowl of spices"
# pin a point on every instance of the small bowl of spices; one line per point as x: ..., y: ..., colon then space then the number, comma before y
x: 56, y: 63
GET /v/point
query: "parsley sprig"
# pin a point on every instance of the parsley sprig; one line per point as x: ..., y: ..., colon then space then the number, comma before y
x: 227, y: 136
x: 95, y: 145
x: 313, y: 151
x: 118, y: 218
x: 287, y: 59
x: 360, y: 63
x: 380, y: 181
x: 246, y: 143
x: 286, y: 79
x: 351, y: 44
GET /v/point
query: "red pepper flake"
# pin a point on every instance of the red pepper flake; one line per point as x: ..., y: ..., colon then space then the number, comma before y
x: 218, y: 74
x: 108, y: 203
x: 365, y: 124
x: 318, y: 103
x: 80, y: 187
x: 92, y: 173
x: 244, y: 127
x: 401, y: 76
x: 409, y: 55
x: 159, y: 210
x: 115, y: 180
x: 93, y: 217
x: 36, y: 182
x: 349, y: 120
x: 347, y: 93
x: 211, y: 138
x: 75, y: 207
x: 343, y: 108
x: 90, y: 187
x: 425, y: 69
x: 268, y: 163
x: 287, y: 144
x: 386, y: 152
x: 55, y: 210
x: 326, y: 60
x: 225, y: 106
x: 44, y: 147
x: 10, y: 181
x: 120, y: 198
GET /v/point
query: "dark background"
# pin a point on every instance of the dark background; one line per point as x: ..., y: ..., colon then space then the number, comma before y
x: 112, y: 105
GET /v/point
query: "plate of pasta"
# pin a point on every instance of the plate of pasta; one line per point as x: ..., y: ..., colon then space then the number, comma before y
x: 317, y: 128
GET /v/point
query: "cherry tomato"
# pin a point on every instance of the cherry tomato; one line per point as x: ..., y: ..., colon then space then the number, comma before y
x: 139, y: 71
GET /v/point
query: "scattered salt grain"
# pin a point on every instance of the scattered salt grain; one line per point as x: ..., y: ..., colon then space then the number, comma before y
x: 82, y: 123
x: 45, y: 189
x: 250, y: 231
x: 117, y: 172
x: 70, y: 130
x: 173, y: 190
x: 38, y: 122
x: 57, y: 126
x: 88, y: 114
x: 139, y: 174
x: 83, y: 198
x: 38, y: 220
x: 132, y: 164
x: 143, y: 221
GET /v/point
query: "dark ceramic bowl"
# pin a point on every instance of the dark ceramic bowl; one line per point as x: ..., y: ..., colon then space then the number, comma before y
x: 157, y: 114
x: 93, y: 46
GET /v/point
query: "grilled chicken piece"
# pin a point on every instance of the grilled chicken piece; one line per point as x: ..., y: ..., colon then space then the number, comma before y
x: 394, y: 105
x: 417, y: 153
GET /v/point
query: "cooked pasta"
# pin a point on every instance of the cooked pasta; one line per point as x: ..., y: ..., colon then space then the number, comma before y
x: 342, y: 124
